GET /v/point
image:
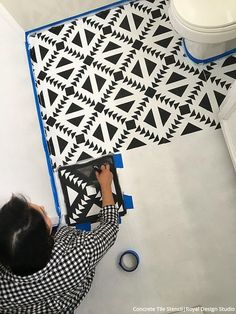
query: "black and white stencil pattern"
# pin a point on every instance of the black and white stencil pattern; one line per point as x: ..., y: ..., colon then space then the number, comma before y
x: 82, y: 192
x: 119, y: 80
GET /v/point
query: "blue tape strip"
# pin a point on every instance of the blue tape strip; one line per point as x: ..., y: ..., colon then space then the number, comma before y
x: 118, y: 161
x: 103, y: 8
x: 85, y: 226
x: 128, y: 201
x: 222, y: 55
x: 136, y: 260
x: 45, y: 146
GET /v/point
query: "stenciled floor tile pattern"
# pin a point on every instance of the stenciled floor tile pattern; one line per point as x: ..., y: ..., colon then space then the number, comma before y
x: 119, y: 79
x: 82, y: 193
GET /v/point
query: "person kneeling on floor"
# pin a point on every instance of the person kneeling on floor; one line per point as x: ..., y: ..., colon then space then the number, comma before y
x: 42, y: 273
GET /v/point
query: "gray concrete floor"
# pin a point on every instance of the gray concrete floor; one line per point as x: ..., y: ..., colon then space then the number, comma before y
x: 31, y: 14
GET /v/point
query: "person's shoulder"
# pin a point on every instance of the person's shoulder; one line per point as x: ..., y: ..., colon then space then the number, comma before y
x: 69, y: 235
x: 64, y: 233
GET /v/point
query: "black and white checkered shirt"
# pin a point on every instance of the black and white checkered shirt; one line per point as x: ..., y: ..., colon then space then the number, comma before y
x: 63, y: 283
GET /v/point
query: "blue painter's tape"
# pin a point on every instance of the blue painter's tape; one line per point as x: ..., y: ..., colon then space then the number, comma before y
x: 85, y: 226
x: 136, y: 260
x: 103, y: 8
x: 45, y: 146
x: 214, y: 58
x: 128, y: 201
x: 118, y: 161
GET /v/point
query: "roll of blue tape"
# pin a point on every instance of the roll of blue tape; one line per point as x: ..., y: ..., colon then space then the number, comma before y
x: 129, y: 260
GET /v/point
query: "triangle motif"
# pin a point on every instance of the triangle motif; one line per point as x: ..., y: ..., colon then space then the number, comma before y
x: 52, y: 96
x: 72, y: 194
x: 76, y: 121
x: 61, y: 143
x: 137, y: 70
x: 100, y: 81
x: 190, y: 128
x: 150, y: 119
x: 161, y: 30
x: 63, y: 62
x: 205, y: 103
x: 66, y: 74
x: 126, y: 106
x: 137, y: 20
x: 125, y: 24
x: 89, y: 36
x: 178, y: 91
x: 150, y: 66
x: 135, y: 143
x: 43, y: 51
x: 175, y: 77
x: 98, y: 133
x: 111, y: 46
x: 219, y: 97
x: 164, y: 115
x: 77, y: 40
x: 73, y: 108
x: 123, y: 93
x: 87, y: 85
x: 114, y: 58
x: 111, y: 130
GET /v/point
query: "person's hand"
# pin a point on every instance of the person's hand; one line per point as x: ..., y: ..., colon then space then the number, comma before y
x: 105, y: 176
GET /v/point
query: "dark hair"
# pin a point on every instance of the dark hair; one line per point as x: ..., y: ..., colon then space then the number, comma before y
x: 25, y: 240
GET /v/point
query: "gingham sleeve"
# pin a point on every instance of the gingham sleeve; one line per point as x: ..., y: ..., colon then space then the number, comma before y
x: 103, y: 237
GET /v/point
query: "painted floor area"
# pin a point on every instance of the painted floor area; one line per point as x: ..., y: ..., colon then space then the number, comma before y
x: 119, y: 79
x: 116, y: 80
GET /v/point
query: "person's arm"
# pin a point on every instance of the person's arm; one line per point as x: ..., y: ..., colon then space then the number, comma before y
x: 103, y: 237
x: 104, y: 178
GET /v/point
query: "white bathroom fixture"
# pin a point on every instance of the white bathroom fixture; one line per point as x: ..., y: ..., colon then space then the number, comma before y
x: 208, y: 27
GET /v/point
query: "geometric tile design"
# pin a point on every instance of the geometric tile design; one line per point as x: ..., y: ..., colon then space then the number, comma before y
x: 82, y: 193
x: 119, y: 79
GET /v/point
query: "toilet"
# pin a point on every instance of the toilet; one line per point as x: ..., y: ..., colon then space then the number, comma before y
x: 208, y: 27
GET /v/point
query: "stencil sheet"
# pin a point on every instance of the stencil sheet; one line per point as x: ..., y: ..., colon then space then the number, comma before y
x: 82, y: 192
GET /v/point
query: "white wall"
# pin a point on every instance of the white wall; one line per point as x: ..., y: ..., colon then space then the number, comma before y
x: 23, y: 165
